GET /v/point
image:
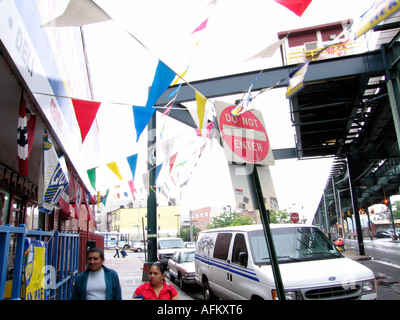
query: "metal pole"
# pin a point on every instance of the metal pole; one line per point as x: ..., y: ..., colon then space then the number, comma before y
x: 264, y: 213
x: 353, y: 193
x: 151, y: 198
x: 392, y: 95
x: 391, y: 217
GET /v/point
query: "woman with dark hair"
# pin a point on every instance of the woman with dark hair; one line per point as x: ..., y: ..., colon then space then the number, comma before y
x: 156, y: 288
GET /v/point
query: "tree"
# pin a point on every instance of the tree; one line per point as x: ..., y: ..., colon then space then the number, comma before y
x: 242, y: 221
x: 223, y: 220
x: 279, y: 216
x: 184, y: 232
x: 396, y: 210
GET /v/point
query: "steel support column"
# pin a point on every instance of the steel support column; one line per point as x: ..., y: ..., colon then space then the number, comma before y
x: 353, y: 194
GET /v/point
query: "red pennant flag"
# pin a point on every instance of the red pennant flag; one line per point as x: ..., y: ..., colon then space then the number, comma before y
x: 296, y: 6
x: 172, y: 161
x: 85, y: 112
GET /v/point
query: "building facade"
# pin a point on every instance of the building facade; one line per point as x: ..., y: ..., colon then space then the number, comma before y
x: 133, y: 221
x: 303, y: 44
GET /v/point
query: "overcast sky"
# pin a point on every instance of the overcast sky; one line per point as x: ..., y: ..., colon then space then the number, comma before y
x: 122, y: 70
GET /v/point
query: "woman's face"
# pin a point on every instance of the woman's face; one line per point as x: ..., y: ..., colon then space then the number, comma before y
x: 155, y: 276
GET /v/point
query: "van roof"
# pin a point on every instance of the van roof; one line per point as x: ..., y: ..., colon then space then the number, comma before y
x: 252, y: 227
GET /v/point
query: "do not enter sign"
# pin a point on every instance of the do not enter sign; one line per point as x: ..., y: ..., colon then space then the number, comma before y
x: 294, y: 217
x: 245, y: 135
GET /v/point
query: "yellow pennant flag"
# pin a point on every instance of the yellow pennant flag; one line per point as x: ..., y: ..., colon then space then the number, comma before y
x: 201, y: 107
x: 114, y: 168
x: 179, y: 78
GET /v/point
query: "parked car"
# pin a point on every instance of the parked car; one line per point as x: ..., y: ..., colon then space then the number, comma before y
x: 166, y: 247
x: 190, y: 244
x: 383, y: 234
x: 181, y: 267
x: 234, y: 263
x: 138, y: 246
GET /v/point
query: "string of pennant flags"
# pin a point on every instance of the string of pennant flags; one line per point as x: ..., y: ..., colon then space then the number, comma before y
x: 82, y: 12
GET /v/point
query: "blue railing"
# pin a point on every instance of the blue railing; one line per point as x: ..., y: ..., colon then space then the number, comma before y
x: 62, y: 260
x: 5, y: 238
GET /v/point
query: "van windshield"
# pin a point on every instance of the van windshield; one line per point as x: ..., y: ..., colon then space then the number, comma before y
x: 293, y: 245
x: 170, y: 243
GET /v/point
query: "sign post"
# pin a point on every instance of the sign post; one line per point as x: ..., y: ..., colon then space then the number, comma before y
x: 246, y: 141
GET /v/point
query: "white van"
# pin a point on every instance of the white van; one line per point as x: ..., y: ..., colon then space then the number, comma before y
x: 166, y: 247
x: 233, y: 263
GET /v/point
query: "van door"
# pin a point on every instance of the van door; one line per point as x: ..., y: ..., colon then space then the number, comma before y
x: 240, y: 276
x: 220, y: 280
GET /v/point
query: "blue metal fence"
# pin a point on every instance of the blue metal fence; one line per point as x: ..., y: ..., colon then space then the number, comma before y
x: 62, y: 260
x: 5, y: 239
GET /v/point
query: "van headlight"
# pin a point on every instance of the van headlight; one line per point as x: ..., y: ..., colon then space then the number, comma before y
x: 369, y: 286
x: 290, y: 295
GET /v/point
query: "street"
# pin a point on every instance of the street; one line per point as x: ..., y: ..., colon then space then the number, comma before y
x: 384, y: 262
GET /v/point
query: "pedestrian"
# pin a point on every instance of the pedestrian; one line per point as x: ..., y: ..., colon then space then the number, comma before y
x: 97, y: 282
x: 157, y: 288
x: 117, y: 250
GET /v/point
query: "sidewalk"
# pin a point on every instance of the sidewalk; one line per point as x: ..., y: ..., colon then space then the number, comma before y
x: 130, y: 272
x: 355, y: 256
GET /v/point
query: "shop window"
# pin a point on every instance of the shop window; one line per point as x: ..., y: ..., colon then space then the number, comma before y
x: 18, y: 212
x: 4, y: 206
x: 32, y: 217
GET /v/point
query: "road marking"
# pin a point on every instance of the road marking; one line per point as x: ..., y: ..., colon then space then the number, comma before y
x: 387, y: 263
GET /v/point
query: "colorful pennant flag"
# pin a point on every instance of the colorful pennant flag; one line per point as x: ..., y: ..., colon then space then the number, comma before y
x: 158, y: 169
x: 142, y: 115
x: 202, y: 26
x: 172, y: 161
x: 92, y: 177
x: 85, y: 112
x: 79, y: 13
x: 132, y: 161
x: 104, y: 201
x: 131, y: 186
x: 268, y: 52
x: 296, y: 6
x: 114, y: 168
x: 201, y: 107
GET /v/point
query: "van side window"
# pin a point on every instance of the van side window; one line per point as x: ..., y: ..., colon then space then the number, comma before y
x: 239, y: 246
x: 222, y: 245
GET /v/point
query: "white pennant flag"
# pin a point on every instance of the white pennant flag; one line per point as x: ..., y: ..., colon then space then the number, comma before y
x: 267, y: 52
x: 79, y: 13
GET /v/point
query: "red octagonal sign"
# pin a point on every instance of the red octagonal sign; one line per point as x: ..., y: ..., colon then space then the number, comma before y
x: 294, y: 217
x: 245, y: 135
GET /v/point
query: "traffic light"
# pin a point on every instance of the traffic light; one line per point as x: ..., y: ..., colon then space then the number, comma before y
x: 386, y: 201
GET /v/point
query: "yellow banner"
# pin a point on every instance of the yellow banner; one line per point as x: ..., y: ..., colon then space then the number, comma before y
x: 34, y: 270
x: 376, y: 14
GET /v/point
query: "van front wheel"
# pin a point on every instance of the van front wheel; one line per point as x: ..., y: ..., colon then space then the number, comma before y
x: 207, y: 293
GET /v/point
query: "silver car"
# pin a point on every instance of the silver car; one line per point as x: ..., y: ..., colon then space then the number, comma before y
x: 181, y: 267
